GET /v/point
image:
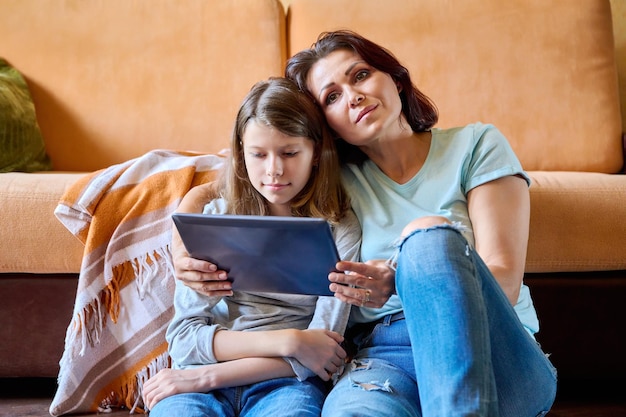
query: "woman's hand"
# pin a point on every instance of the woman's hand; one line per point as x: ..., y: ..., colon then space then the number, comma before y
x: 199, y: 275
x: 368, y: 284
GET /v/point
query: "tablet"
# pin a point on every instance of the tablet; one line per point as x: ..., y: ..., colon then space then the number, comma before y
x: 263, y: 253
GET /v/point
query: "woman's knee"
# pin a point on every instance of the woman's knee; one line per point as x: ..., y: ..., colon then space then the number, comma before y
x: 424, y: 223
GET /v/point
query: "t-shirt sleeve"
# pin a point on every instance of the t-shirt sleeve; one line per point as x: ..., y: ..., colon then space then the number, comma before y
x: 190, y: 333
x: 492, y: 158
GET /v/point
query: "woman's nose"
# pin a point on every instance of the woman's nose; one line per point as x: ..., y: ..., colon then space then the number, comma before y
x: 356, y: 98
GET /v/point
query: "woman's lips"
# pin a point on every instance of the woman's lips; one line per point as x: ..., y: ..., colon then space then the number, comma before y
x: 365, y: 111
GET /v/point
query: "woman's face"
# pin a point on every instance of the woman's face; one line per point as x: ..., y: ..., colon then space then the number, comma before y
x: 278, y: 165
x: 361, y: 103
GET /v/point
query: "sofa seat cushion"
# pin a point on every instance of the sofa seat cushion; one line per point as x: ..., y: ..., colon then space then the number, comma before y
x: 577, y: 222
x: 567, y: 233
x: 32, y: 240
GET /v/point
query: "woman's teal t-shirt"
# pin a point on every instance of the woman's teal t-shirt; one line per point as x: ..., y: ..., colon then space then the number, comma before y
x: 459, y: 160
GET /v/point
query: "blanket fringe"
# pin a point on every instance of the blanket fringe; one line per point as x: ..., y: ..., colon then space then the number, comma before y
x: 130, y: 394
x: 88, y: 324
x: 148, y: 268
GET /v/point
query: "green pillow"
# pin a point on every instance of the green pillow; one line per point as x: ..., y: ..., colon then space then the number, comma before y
x: 21, y: 144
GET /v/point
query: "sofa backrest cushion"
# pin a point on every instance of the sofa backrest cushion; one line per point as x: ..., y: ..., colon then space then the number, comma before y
x: 114, y: 79
x: 542, y: 71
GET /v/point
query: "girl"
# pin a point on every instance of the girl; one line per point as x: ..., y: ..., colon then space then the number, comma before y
x: 237, y: 353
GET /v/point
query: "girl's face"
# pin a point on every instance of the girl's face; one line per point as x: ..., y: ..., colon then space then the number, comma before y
x: 361, y: 103
x: 278, y: 165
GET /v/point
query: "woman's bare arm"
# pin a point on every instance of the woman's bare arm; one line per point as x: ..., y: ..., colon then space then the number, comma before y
x: 500, y: 215
x: 201, y: 276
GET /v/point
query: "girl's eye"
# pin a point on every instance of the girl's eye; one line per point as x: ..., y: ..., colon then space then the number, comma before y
x: 257, y: 154
x: 290, y: 154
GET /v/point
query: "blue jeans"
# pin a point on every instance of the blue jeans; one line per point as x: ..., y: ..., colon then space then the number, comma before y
x: 457, y: 350
x: 281, y: 397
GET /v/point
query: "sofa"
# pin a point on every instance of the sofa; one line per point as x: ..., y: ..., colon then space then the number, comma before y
x: 112, y: 80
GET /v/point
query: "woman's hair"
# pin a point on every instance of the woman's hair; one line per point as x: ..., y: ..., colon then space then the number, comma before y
x: 419, y: 110
x: 278, y: 103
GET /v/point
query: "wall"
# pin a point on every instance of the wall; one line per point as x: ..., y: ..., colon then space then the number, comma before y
x: 618, y: 8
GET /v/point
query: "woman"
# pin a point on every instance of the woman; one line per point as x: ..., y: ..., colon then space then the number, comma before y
x: 449, y: 332
x: 240, y: 355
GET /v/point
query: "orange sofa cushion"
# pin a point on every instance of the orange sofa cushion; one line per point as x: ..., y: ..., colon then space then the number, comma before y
x: 33, y: 240
x: 577, y: 222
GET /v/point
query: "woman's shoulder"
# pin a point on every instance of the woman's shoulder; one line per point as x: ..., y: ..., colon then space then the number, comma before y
x: 469, y: 137
x: 477, y: 129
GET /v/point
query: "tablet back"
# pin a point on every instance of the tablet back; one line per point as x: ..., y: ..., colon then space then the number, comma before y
x: 263, y: 253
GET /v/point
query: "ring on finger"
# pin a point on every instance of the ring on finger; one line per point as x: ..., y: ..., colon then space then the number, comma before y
x: 366, y: 299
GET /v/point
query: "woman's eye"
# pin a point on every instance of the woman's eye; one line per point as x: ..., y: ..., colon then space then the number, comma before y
x: 361, y: 75
x: 331, y: 98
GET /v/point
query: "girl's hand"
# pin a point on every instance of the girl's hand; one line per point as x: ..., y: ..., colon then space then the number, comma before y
x: 368, y: 284
x: 207, y: 378
x: 317, y: 349
x: 169, y: 382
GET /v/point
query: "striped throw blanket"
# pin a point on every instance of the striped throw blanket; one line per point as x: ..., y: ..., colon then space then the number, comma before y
x: 124, y: 301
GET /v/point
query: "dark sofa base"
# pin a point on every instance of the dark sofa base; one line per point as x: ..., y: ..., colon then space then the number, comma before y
x: 582, y: 322
x: 34, y: 313
x: 581, y: 317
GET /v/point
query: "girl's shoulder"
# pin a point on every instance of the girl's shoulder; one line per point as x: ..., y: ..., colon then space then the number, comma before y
x: 216, y: 206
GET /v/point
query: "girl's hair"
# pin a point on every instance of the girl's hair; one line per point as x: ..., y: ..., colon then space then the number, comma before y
x: 419, y: 110
x: 278, y: 103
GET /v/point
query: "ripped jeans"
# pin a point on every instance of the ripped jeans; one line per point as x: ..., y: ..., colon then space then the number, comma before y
x: 458, y: 350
